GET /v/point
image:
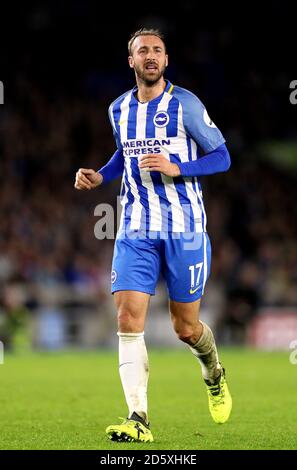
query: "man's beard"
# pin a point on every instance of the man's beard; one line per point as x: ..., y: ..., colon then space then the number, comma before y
x: 149, y: 81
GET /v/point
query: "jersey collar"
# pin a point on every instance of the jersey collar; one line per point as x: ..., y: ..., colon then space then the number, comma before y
x: 168, y: 89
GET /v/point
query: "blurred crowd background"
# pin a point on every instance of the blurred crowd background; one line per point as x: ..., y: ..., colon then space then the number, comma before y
x: 60, y: 75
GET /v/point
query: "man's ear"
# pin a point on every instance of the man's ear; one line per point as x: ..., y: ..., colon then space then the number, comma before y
x: 166, y: 61
x: 131, y: 62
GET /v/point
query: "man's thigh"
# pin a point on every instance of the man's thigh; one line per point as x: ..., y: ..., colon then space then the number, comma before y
x: 135, y: 265
x: 186, y: 265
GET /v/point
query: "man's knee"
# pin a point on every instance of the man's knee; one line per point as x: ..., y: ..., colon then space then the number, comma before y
x: 187, y: 332
x: 185, y: 335
x: 129, y: 320
x: 125, y: 319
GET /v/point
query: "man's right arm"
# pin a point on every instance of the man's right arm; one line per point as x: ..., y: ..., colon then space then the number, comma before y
x: 89, y: 179
x: 113, y: 168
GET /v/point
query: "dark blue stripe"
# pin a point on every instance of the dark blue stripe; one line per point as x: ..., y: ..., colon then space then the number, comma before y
x: 143, y: 195
x: 184, y: 200
x: 131, y: 130
x: 151, y: 111
x: 172, y: 126
x: 130, y: 197
x: 166, y: 211
x: 189, y: 148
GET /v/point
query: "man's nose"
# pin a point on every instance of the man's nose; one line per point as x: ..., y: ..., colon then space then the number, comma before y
x: 150, y: 54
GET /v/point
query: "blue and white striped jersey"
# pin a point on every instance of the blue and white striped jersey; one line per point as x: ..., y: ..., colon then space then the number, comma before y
x: 175, y: 124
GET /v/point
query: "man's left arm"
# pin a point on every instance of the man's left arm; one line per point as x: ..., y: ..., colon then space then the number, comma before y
x: 216, y: 161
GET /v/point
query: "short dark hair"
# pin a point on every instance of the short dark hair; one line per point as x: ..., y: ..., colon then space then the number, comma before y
x: 145, y: 32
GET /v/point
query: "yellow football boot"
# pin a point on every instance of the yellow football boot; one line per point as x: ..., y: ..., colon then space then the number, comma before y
x: 219, y: 399
x: 132, y: 429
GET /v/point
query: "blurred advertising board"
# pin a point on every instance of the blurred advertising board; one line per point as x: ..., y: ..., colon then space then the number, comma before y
x: 273, y: 329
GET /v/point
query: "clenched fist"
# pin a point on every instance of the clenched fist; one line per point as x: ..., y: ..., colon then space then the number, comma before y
x: 87, y: 179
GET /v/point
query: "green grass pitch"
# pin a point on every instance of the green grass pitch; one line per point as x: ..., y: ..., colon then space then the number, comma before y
x: 66, y: 400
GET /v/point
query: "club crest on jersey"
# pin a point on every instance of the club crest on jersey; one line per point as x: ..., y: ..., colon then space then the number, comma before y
x: 161, y: 119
